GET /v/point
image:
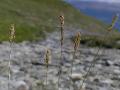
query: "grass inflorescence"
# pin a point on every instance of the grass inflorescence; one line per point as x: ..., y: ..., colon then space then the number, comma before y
x: 47, y: 61
x: 61, y: 19
x: 76, y: 46
x: 11, y: 40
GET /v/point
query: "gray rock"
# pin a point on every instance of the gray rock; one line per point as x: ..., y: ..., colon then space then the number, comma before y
x: 21, y: 85
x: 76, y: 76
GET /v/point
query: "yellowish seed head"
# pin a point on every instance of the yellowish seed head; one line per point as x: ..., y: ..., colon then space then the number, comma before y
x: 12, y: 32
x: 114, y: 20
x: 77, y: 40
x: 47, y: 56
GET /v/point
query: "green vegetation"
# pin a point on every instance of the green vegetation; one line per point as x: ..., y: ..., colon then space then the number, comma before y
x: 95, y: 41
x: 32, y: 18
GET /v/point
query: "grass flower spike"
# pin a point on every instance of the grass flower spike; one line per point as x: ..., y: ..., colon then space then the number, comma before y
x: 11, y: 39
x: 47, y: 57
x: 61, y: 19
x: 76, y: 41
x: 12, y: 32
x: 114, y: 20
x: 47, y: 61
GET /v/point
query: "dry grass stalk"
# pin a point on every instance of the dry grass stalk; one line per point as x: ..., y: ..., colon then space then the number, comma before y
x: 47, y: 61
x: 114, y: 20
x: 61, y: 19
x: 11, y: 39
x: 76, y: 42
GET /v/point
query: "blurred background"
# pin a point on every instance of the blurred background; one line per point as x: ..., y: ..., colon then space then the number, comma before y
x: 28, y: 28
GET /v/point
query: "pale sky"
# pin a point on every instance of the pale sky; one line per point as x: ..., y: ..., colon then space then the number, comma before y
x: 109, y: 1
x: 105, y: 0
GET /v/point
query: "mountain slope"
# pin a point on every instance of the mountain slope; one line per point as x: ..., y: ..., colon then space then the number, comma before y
x: 32, y: 18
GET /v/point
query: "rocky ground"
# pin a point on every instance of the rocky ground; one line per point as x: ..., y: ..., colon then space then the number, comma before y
x: 28, y: 69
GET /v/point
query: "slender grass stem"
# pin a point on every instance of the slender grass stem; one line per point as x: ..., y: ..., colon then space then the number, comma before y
x: 61, y: 58
x: 89, y: 69
x: 92, y: 65
x: 76, y: 43
x: 11, y: 40
x: 71, y: 69
x: 9, y: 65
x: 72, y: 62
x: 61, y: 18
x: 46, y: 75
x: 47, y: 60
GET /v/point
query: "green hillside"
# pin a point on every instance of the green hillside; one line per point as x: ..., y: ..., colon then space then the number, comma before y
x: 32, y: 18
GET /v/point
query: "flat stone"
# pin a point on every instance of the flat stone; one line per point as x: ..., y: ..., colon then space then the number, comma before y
x: 76, y: 76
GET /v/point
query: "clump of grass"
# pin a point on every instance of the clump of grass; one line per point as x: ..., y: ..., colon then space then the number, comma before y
x: 11, y: 39
x: 61, y: 19
x: 47, y: 61
x: 96, y: 41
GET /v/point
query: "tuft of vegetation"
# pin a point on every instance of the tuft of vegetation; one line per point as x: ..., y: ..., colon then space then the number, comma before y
x: 95, y: 41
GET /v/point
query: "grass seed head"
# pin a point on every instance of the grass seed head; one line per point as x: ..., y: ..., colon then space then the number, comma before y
x: 12, y: 32
x: 114, y: 20
x: 61, y: 18
x: 47, y: 57
x: 77, y: 40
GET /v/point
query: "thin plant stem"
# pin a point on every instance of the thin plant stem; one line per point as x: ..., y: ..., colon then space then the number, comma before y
x: 71, y: 69
x: 60, y: 70
x: 92, y: 65
x: 9, y: 65
x: 11, y: 40
x: 61, y: 18
x: 76, y: 42
x: 90, y: 68
x: 72, y: 62
x: 47, y: 60
x: 46, y: 74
